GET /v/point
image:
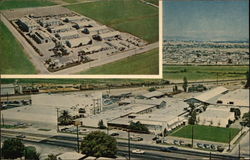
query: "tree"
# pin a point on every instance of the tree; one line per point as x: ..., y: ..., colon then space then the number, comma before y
x: 192, y: 113
x: 137, y: 126
x: 51, y: 157
x: 151, y: 89
x: 65, y: 118
x: 185, y: 84
x: 246, y: 119
x: 31, y: 154
x: 101, y: 125
x: 247, y: 85
x: 99, y: 144
x: 12, y: 148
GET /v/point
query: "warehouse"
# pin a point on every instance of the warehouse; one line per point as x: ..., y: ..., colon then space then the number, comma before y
x: 75, y: 19
x: 50, y: 22
x: 109, y: 35
x: 239, y: 97
x: 82, y: 24
x: 78, y: 42
x: 62, y: 28
x: 40, y: 37
x: 27, y: 24
x: 208, y: 97
x: 67, y: 35
x: 94, y: 30
x: 92, y: 49
x: 7, y: 89
x: 216, y: 116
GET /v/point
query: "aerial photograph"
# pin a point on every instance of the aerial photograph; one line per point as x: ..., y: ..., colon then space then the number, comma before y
x: 198, y: 110
x: 61, y: 37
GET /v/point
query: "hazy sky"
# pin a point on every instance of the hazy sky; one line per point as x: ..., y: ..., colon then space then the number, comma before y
x: 206, y: 19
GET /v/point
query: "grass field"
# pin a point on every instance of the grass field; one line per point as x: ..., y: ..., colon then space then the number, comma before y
x: 70, y: 1
x: 11, y: 4
x: 207, y: 133
x: 130, y: 16
x: 204, y: 72
x: 13, y: 59
x: 146, y: 63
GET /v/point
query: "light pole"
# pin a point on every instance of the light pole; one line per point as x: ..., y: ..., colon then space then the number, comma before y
x: 57, y: 114
x: 128, y: 144
x: 77, y: 135
x: 192, y: 136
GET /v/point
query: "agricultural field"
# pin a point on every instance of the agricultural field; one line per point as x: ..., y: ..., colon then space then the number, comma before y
x: 131, y: 16
x: 146, y: 63
x: 177, y: 72
x: 13, y: 59
x: 11, y: 4
x: 207, y: 133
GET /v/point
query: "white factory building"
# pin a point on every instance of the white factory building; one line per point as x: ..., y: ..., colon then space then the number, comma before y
x: 216, y: 116
x: 67, y: 35
x: 78, y: 42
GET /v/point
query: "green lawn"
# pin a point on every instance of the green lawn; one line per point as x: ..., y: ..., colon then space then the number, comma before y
x: 70, y: 1
x: 207, y: 133
x: 146, y: 63
x: 130, y: 16
x: 204, y: 72
x: 11, y: 4
x: 13, y: 59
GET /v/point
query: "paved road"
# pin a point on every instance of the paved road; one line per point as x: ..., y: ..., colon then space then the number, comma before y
x: 244, y: 147
x: 63, y: 140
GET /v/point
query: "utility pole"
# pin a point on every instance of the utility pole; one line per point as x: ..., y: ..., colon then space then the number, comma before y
x: 192, y: 136
x: 210, y: 156
x: 57, y: 117
x: 128, y: 144
x: 77, y: 135
x: 239, y: 150
x: 229, y: 138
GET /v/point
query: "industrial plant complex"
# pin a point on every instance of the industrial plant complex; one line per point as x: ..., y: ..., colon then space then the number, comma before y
x: 59, y: 38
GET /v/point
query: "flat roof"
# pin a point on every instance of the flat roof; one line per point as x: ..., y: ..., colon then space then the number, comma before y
x: 109, y: 34
x: 205, y: 96
x: 240, y: 97
x: 69, y: 33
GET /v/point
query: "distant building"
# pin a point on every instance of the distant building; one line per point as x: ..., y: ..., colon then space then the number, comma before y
x: 82, y: 24
x: 61, y: 28
x: 108, y: 35
x: 92, y: 49
x: 78, y: 42
x: 68, y: 35
x: 95, y: 30
x: 40, y: 37
x: 27, y: 24
x: 50, y: 22
x: 75, y: 19
x: 10, y: 89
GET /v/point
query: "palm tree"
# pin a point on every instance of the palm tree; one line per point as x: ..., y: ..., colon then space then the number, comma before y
x: 65, y: 118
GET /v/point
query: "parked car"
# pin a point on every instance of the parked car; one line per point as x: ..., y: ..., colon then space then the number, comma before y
x: 136, y: 138
x: 155, y: 138
x: 138, y: 151
x: 158, y: 141
x: 200, y: 145
x: 114, y: 134
x: 176, y: 142
x: 207, y: 146
x: 169, y: 149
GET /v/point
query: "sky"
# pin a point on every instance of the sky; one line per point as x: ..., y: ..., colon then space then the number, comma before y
x: 217, y: 20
